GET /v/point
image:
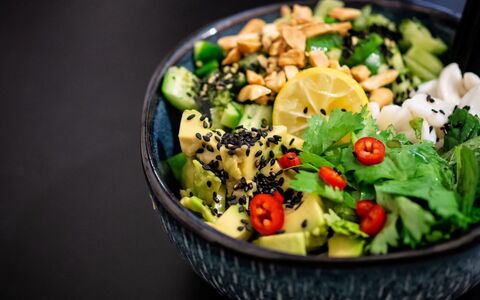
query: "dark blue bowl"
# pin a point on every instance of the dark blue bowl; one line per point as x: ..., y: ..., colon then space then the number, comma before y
x: 242, y: 270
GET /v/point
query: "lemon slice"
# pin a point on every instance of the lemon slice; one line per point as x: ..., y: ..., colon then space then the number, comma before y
x: 316, y: 91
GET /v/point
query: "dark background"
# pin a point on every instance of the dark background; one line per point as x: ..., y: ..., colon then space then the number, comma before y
x: 75, y: 218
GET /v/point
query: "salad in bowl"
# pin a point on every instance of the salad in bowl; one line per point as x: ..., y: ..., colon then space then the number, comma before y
x: 328, y: 130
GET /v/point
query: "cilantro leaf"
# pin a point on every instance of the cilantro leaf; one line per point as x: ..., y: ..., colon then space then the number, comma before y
x: 462, y: 126
x: 314, y: 161
x: 416, y: 124
x: 342, y: 226
x: 310, y: 182
x: 439, y: 199
x: 322, y: 133
x: 387, y: 237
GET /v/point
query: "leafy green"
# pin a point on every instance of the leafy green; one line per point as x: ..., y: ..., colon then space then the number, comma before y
x: 314, y: 160
x: 416, y: 124
x: 342, y: 226
x: 322, y: 133
x: 461, y: 127
x: 439, y: 199
x: 311, y: 183
x: 367, y: 52
x: 387, y: 237
x: 467, y: 173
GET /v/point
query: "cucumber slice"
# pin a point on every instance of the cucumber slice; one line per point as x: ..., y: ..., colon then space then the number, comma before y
x: 216, y: 114
x: 180, y: 88
x: 427, y: 60
x: 254, y: 114
x: 418, y: 69
x: 415, y: 33
x: 207, y: 68
x: 176, y: 164
x: 231, y: 116
x: 240, y: 107
x: 205, y: 51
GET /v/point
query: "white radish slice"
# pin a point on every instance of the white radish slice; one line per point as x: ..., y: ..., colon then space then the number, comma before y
x: 374, y: 109
x: 435, y: 113
x: 470, y: 80
x: 472, y: 99
x: 427, y: 134
x: 429, y: 87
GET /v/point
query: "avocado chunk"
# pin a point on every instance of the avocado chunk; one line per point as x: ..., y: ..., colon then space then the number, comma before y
x: 293, y: 243
x: 190, y: 125
x: 344, y: 246
x: 292, y: 141
x: 196, y: 205
x: 308, y: 218
x: 232, y: 223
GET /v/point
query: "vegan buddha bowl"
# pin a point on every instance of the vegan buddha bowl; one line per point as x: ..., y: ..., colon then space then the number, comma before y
x: 333, y: 133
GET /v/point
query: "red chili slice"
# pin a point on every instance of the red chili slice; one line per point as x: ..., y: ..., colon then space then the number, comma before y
x: 369, y: 151
x: 374, y: 221
x: 278, y: 196
x: 267, y: 214
x: 289, y: 160
x: 364, y: 207
x: 331, y: 177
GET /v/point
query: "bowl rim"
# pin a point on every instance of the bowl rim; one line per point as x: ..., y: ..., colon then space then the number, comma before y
x: 163, y: 196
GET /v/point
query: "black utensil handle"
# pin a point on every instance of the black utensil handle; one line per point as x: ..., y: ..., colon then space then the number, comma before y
x: 467, y: 37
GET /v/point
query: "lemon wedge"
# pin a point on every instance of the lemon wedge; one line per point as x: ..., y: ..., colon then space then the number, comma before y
x: 316, y: 91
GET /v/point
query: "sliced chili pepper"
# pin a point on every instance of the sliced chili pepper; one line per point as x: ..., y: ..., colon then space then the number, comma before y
x: 369, y: 151
x: 331, y: 177
x: 364, y: 207
x: 289, y: 160
x: 267, y: 214
x: 278, y: 196
x: 374, y: 221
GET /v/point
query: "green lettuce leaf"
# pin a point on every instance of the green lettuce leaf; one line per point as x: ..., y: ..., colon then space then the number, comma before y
x: 467, y: 173
x: 310, y: 183
x: 387, y: 237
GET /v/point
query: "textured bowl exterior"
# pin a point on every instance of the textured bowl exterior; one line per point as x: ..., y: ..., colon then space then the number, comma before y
x: 240, y: 277
x: 241, y: 270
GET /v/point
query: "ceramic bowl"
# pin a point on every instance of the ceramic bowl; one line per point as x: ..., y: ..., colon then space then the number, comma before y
x: 241, y: 270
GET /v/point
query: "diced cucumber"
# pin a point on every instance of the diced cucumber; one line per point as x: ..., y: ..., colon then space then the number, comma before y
x: 216, y: 114
x: 207, y: 68
x: 254, y: 114
x: 205, y: 51
x: 427, y: 60
x: 325, y: 6
x: 180, y: 88
x: 240, y: 107
x: 415, y: 33
x: 231, y: 116
x: 324, y: 42
x: 176, y: 164
x: 418, y: 69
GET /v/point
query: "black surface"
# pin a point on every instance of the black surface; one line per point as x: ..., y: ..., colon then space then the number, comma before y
x: 75, y: 219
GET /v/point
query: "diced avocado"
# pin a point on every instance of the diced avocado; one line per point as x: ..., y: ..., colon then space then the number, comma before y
x: 205, y: 183
x: 293, y: 243
x: 325, y: 6
x: 415, y: 33
x: 190, y: 125
x: 180, y: 88
x: 205, y: 51
x: 216, y: 114
x: 231, y: 116
x: 207, y: 68
x: 254, y: 114
x: 196, y: 205
x: 188, y: 174
x: 308, y: 218
x: 344, y: 246
x: 425, y: 59
x: 176, y: 164
x: 418, y: 69
x: 324, y: 42
x: 292, y: 141
x: 231, y: 221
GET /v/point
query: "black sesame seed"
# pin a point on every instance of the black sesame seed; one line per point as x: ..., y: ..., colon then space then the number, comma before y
x: 217, y: 138
x: 270, y: 128
x: 203, y: 117
x: 231, y: 152
x: 343, y: 109
x: 247, y: 153
x: 435, y: 111
x: 323, y: 112
x: 291, y: 141
x: 442, y: 112
x: 280, y: 231
x: 240, y: 228
x: 466, y: 107
x: 304, y: 223
x: 241, y: 209
x: 218, y: 157
x: 200, y: 150
x: 209, y: 148
x: 430, y: 128
x: 191, y: 117
x: 198, y: 136
x: 206, y: 167
x: 258, y: 153
x: 205, y: 124
x: 305, y: 110
x: 206, y: 138
x: 209, y: 183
